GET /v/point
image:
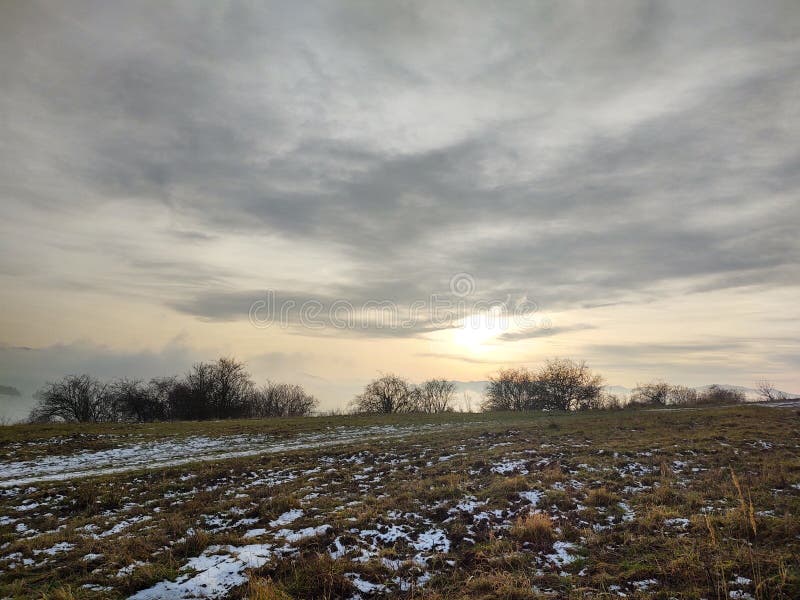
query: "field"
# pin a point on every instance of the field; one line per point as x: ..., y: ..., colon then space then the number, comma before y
x: 637, y: 504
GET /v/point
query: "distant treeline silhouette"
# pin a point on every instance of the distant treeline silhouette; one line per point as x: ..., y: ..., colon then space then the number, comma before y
x: 568, y: 385
x: 210, y: 390
x: 225, y: 390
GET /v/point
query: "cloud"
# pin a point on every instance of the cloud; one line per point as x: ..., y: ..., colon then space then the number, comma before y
x: 467, y: 359
x: 9, y: 390
x: 349, y: 313
x: 525, y: 334
x: 618, y: 188
x: 578, y: 155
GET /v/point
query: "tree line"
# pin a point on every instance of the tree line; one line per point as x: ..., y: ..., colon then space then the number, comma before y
x: 661, y: 393
x: 568, y: 385
x: 210, y: 390
x: 224, y: 389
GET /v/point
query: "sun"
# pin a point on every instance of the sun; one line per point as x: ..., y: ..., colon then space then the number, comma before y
x: 477, y: 332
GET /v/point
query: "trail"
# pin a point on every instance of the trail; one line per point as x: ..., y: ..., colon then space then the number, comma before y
x: 178, y: 451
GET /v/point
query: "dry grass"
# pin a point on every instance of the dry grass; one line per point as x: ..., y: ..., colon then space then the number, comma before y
x: 535, y: 529
x: 695, y: 500
x: 259, y: 588
x: 601, y: 497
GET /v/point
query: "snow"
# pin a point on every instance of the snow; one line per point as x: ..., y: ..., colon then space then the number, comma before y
x: 287, y: 517
x: 433, y: 539
x: 301, y: 534
x: 56, y: 549
x: 469, y: 504
x: 93, y: 587
x: 91, y: 557
x: 561, y: 555
x: 533, y: 496
x: 510, y: 466
x: 123, y: 525
x: 339, y: 551
x: 628, y: 514
x: 215, y: 572
x: 364, y: 586
x: 644, y: 584
x: 177, y: 451
x: 390, y: 536
x: 254, y: 533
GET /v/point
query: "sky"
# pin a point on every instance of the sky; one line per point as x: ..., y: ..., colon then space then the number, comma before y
x: 333, y: 190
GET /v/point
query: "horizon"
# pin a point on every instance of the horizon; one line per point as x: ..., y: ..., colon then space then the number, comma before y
x: 336, y: 190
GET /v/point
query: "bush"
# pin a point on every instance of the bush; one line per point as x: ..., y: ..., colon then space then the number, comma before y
x: 435, y: 396
x: 561, y: 384
x: 392, y: 394
x: 282, y: 400
x: 387, y: 394
x: 655, y: 393
x: 511, y: 389
x: 720, y: 395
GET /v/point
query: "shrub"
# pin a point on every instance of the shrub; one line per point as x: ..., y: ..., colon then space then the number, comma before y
x: 387, y: 394
x: 561, y: 384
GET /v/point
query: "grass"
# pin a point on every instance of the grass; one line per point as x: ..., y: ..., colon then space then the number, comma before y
x: 535, y: 530
x: 703, y: 502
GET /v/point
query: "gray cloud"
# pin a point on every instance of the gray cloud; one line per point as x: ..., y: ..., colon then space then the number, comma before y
x: 574, y: 154
x: 350, y: 312
x: 672, y: 135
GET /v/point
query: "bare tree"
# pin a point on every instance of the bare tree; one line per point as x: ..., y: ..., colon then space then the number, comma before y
x: 161, y: 390
x: 681, y: 395
x: 769, y: 392
x: 74, y: 399
x: 218, y: 390
x: 134, y: 401
x: 467, y: 404
x: 716, y: 395
x: 436, y: 396
x: 192, y: 396
x: 565, y: 384
x: 655, y: 393
x: 511, y: 389
x: 282, y: 400
x: 386, y: 394
x: 609, y: 402
x: 232, y: 388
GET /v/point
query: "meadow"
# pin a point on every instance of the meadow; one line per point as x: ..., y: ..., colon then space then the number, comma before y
x: 671, y: 503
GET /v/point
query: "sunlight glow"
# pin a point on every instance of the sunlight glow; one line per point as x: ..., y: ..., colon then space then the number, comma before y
x: 478, y: 332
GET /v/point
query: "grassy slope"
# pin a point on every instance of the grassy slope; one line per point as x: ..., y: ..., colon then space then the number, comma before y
x: 581, y: 464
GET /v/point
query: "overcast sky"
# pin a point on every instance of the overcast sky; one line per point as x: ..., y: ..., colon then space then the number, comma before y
x: 629, y: 170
